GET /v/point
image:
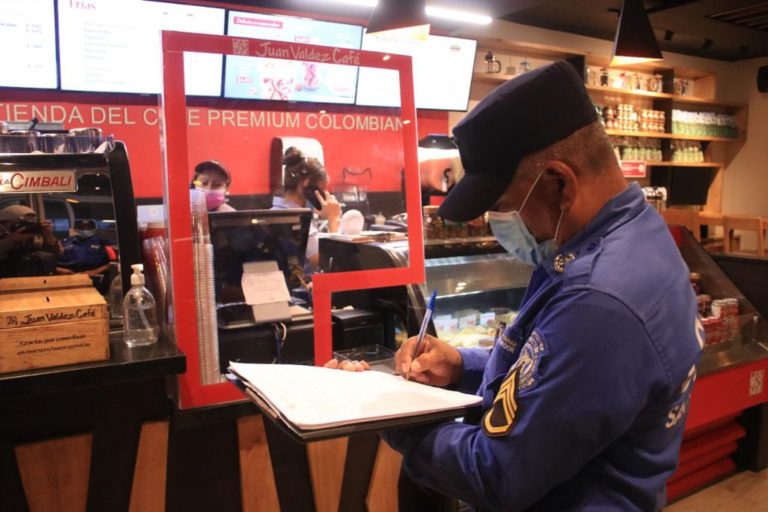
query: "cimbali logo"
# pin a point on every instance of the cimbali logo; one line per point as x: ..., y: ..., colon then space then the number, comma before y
x: 37, y: 181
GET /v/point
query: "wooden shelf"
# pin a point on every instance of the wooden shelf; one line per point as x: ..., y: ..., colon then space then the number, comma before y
x: 676, y: 136
x: 495, y: 78
x: 665, y: 96
x: 499, y: 78
x: 629, y: 92
x: 706, y: 101
x: 666, y: 163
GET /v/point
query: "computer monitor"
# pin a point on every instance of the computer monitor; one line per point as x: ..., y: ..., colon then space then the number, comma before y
x: 256, y: 235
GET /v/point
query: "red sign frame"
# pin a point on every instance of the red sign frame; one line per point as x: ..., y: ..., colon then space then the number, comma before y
x: 192, y: 392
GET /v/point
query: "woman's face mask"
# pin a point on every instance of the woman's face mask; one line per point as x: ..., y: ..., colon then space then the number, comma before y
x: 515, y: 237
x: 214, y: 198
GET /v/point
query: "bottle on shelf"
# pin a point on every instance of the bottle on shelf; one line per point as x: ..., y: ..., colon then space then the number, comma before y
x: 687, y: 151
x: 707, y: 124
x: 139, y: 312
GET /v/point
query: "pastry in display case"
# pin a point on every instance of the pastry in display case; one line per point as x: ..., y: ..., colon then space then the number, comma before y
x: 476, y: 296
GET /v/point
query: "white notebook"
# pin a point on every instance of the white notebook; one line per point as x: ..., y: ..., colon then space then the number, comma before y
x: 311, y: 397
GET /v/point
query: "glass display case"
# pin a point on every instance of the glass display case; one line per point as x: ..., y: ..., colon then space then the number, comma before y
x: 478, y: 287
x: 476, y: 295
x: 735, y: 332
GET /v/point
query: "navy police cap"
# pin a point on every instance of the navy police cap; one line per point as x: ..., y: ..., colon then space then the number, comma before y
x: 525, y: 114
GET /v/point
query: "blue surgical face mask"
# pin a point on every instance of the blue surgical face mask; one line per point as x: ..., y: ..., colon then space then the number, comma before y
x: 513, y: 235
x: 85, y: 233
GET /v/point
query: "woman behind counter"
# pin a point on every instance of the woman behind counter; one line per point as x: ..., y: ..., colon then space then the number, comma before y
x: 304, y: 186
x: 215, y: 179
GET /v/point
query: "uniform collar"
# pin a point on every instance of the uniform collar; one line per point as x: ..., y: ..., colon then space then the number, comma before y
x: 621, y: 208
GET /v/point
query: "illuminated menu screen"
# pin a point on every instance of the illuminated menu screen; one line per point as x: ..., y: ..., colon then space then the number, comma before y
x: 202, y: 71
x: 442, y: 73
x: 115, y: 46
x: 28, y: 39
x: 287, y: 80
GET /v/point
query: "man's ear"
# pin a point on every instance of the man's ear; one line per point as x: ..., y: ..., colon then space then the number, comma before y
x: 564, y: 182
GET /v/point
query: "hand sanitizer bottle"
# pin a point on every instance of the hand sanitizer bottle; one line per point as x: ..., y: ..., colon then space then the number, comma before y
x: 139, y: 312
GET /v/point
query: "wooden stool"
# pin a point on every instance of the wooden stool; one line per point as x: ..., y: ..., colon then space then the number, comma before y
x: 709, y: 219
x: 744, y: 223
x: 682, y: 217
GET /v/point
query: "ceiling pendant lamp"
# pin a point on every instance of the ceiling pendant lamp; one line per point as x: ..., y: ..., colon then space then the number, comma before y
x: 399, y: 19
x: 635, y: 41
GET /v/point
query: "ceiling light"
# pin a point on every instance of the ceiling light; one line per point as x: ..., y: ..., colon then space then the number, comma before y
x: 356, y: 3
x: 635, y: 41
x: 455, y: 15
x: 399, y: 19
x: 432, y: 11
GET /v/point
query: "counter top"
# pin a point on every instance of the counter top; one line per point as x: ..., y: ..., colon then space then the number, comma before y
x: 717, y: 361
x: 125, y: 364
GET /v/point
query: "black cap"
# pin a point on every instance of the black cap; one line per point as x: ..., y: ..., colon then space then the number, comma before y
x: 85, y: 224
x: 213, y: 165
x: 525, y: 114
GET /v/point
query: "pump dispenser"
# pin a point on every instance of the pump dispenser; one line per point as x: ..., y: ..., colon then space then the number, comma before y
x: 139, y: 313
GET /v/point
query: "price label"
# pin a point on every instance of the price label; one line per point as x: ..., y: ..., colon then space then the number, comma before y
x: 633, y: 169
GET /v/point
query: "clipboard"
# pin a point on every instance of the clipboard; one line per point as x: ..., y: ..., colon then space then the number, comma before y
x: 359, y: 427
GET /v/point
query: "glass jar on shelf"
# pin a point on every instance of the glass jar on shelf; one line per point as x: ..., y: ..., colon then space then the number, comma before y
x: 478, y: 226
x: 604, y: 77
x: 434, y: 228
x: 654, y: 83
x: 591, y: 78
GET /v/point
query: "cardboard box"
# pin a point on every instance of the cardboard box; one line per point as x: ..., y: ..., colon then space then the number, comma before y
x: 51, y: 321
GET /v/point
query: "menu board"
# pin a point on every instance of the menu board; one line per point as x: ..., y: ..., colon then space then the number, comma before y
x: 442, y: 73
x: 28, y: 36
x: 115, y: 46
x: 202, y: 71
x: 288, y: 80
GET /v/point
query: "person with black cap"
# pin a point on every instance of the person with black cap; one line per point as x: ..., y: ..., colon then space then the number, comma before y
x: 585, y: 394
x: 28, y: 246
x: 215, y: 179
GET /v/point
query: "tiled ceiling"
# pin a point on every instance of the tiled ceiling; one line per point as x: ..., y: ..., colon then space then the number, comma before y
x: 752, y: 16
x: 682, y: 26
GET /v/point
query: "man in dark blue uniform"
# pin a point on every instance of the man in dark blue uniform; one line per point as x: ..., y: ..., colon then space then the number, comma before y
x: 85, y: 251
x: 585, y: 394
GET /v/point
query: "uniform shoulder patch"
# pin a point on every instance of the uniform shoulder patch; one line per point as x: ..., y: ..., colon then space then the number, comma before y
x: 500, y: 418
x: 529, y: 359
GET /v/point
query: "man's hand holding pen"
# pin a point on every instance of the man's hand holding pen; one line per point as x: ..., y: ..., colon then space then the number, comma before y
x: 436, y: 364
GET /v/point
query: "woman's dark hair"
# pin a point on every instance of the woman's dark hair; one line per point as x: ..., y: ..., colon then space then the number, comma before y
x: 298, y: 168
